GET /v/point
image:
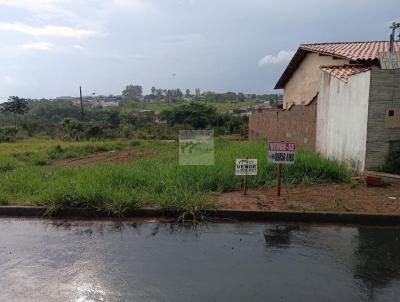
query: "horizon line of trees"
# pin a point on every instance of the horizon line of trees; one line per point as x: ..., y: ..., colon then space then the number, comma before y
x: 60, y: 119
x: 136, y: 91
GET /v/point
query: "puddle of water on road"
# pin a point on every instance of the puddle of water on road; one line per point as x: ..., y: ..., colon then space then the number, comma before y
x: 45, y: 260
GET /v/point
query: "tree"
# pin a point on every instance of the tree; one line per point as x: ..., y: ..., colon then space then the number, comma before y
x: 153, y: 90
x: 72, y: 128
x: 159, y: 92
x: 133, y: 91
x: 198, y: 116
x: 168, y: 94
x: 187, y: 92
x: 16, y: 106
x: 112, y: 117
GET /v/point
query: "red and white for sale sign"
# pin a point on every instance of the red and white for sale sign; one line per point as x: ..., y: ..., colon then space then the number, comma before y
x: 281, y: 153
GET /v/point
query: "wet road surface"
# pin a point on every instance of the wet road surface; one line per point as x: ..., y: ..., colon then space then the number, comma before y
x: 44, y: 260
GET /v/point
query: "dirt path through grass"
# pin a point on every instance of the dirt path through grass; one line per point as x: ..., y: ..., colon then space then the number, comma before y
x: 114, y: 157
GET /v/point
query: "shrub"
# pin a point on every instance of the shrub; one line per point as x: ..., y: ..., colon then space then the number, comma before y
x: 7, y: 134
x: 392, y: 162
x: 93, y: 131
x: 134, y: 143
x: 7, y: 164
x: 55, y: 152
x: 39, y: 160
x: 72, y: 129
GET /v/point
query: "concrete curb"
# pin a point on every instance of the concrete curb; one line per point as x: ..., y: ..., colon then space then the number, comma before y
x: 382, y: 174
x: 320, y: 217
x: 235, y: 215
x: 42, y: 212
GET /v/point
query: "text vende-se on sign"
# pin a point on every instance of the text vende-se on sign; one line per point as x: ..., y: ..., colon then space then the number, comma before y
x: 281, y: 153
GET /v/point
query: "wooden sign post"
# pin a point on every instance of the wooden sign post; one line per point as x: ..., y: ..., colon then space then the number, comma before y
x: 245, y: 184
x: 281, y: 153
x: 279, y: 179
x: 245, y: 167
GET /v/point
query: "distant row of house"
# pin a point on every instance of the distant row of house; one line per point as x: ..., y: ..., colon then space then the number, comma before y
x: 114, y: 101
x: 250, y: 110
x: 99, y: 101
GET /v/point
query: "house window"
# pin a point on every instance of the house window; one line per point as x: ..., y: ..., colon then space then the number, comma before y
x: 392, y: 117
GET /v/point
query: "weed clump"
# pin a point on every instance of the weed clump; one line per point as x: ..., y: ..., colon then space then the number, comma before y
x: 392, y: 163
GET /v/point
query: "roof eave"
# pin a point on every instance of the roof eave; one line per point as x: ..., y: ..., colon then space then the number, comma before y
x: 327, y: 53
x: 293, y: 64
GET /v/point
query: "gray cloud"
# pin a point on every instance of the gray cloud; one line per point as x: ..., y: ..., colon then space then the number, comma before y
x: 218, y: 45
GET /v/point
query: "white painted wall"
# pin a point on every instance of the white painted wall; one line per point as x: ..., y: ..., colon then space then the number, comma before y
x: 342, y: 117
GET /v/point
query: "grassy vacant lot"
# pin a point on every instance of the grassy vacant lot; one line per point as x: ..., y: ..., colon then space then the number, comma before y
x: 28, y: 177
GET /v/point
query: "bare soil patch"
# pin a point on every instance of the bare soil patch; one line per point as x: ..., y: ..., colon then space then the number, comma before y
x: 114, y: 157
x: 334, y: 197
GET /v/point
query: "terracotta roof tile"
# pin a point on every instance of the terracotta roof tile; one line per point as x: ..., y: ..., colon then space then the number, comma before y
x: 354, y: 51
x: 345, y: 71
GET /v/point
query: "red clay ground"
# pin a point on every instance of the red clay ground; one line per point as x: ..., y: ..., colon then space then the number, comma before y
x: 114, y: 157
x: 337, y: 198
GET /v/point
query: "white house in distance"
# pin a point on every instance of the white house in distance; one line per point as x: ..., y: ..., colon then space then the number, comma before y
x: 358, y: 113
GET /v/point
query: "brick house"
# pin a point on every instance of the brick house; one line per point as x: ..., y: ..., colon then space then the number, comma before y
x: 358, y: 103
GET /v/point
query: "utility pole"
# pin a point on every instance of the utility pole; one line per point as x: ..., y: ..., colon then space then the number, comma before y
x: 80, y: 93
x: 392, y: 35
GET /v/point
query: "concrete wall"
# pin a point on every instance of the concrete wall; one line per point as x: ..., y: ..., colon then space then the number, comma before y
x: 384, y: 93
x: 342, y: 118
x: 296, y: 125
x: 305, y: 81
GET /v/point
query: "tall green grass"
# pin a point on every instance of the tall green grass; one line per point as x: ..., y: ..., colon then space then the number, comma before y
x: 43, y: 152
x: 155, y: 181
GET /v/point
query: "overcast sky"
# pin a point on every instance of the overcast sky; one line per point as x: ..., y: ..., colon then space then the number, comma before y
x: 50, y: 47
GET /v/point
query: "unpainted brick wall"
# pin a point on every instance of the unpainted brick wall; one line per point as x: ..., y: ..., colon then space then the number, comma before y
x: 296, y: 124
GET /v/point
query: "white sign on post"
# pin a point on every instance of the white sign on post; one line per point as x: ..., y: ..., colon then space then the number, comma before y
x: 246, y: 167
x: 281, y: 153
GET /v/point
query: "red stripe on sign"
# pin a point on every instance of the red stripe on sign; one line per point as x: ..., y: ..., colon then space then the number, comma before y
x: 282, y: 147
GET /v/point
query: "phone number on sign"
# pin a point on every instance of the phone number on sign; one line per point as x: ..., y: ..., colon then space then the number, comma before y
x: 287, y: 157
